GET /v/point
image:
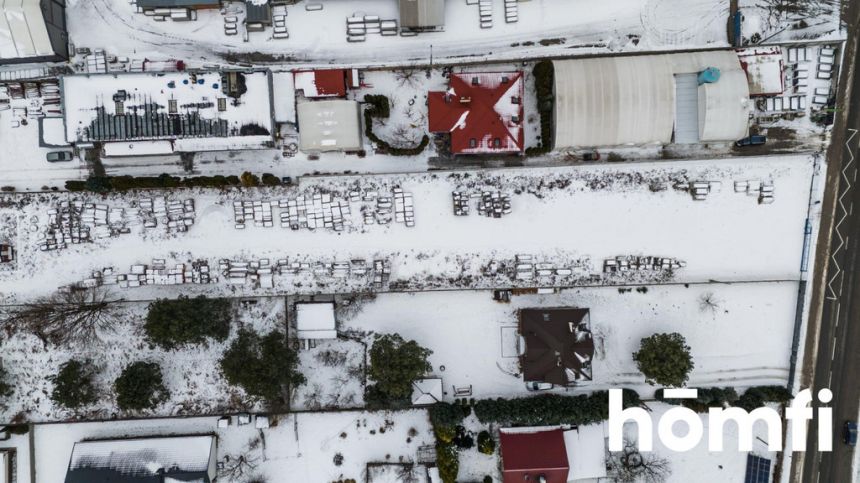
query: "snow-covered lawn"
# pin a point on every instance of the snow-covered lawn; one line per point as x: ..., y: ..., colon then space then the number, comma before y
x: 334, y: 370
x: 699, y: 464
x: 545, y: 27
x: 741, y: 337
x: 191, y: 374
x: 570, y: 218
x: 301, y: 445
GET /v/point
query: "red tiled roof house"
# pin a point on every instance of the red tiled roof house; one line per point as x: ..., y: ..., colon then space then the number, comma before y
x: 528, y: 455
x: 483, y: 112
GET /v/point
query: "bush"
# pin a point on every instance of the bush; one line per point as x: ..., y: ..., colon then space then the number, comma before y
x: 172, y: 323
x: 103, y: 184
x: 445, y: 414
x: 261, y: 365
x: 394, y: 364
x: 269, y: 179
x: 756, y: 397
x: 140, y: 386
x: 488, y: 479
x: 6, y: 389
x: 447, y: 461
x: 463, y: 439
x: 249, y: 180
x: 486, y: 443
x: 73, y: 385
x: 664, y: 359
x: 550, y: 409
x: 544, y: 76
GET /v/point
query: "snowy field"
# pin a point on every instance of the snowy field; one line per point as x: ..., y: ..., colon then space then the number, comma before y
x: 545, y: 28
x: 300, y: 445
x: 567, y: 219
x: 739, y: 334
x: 191, y: 374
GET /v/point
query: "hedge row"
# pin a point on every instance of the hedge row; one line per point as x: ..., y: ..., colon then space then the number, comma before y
x: 752, y: 398
x: 550, y: 409
x: 379, y: 107
x: 105, y: 184
x: 544, y: 75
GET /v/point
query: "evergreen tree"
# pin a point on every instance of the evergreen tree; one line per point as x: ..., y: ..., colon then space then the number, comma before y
x: 664, y: 359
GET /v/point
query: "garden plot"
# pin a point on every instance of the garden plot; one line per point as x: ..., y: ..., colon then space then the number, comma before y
x: 334, y: 370
x: 570, y: 218
x: 302, y: 445
x: 191, y: 374
x: 740, y: 334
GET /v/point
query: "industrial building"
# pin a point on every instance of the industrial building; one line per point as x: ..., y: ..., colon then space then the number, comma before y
x: 422, y: 15
x: 33, y: 31
x: 650, y: 99
x: 158, y: 113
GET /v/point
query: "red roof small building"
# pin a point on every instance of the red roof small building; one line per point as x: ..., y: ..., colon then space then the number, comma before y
x: 528, y: 455
x: 321, y: 83
x: 482, y: 111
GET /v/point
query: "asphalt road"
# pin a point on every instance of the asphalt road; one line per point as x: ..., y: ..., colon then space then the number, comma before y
x: 837, y: 364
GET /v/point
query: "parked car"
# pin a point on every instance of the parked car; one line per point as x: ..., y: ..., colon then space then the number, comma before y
x: 850, y: 434
x: 751, y: 141
x: 591, y: 156
x: 538, y: 386
x: 57, y: 156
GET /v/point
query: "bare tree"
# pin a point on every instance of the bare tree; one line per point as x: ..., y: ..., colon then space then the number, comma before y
x: 629, y: 465
x: 708, y: 302
x: 68, y: 316
x: 406, y: 473
x: 242, y: 464
x: 407, y: 77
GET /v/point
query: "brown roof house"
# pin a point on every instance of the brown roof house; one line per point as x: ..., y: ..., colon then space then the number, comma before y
x: 558, y: 345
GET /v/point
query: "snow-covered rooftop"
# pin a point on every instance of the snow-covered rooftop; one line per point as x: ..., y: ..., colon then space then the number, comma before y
x: 23, y: 31
x: 586, y: 452
x: 329, y: 125
x: 763, y: 66
x: 614, y: 101
x: 426, y: 391
x: 315, y: 321
x: 190, y: 456
x: 175, y: 105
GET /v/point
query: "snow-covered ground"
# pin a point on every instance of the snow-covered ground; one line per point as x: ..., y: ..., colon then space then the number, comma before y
x: 191, y: 374
x: 301, y: 445
x: 699, y: 464
x: 570, y: 218
x: 772, y: 21
x: 739, y: 334
x: 545, y: 28
x: 304, y: 446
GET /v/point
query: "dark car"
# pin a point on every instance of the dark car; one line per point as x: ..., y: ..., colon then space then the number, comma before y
x: 57, y: 156
x: 850, y: 434
x: 751, y: 141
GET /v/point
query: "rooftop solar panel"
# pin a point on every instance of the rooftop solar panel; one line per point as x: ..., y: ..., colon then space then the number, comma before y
x: 758, y: 469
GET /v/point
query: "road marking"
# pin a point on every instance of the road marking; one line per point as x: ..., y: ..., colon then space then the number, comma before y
x: 844, y: 215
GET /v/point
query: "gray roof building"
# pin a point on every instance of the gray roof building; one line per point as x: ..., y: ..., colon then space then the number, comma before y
x: 144, y: 460
x: 422, y: 14
x: 559, y: 345
x: 33, y: 31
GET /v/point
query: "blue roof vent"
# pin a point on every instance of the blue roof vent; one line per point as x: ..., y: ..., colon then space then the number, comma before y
x: 709, y: 76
